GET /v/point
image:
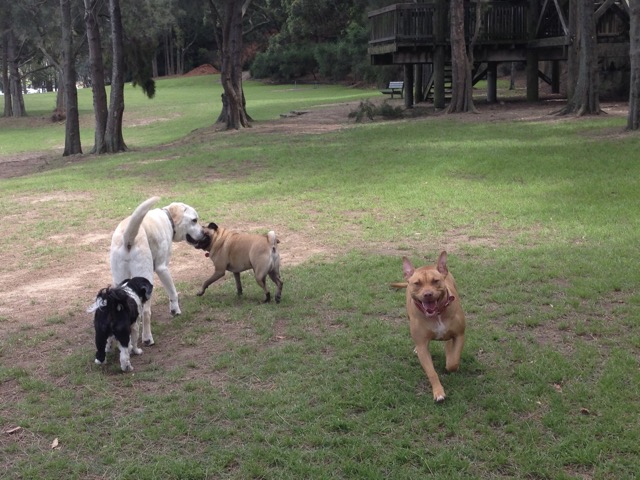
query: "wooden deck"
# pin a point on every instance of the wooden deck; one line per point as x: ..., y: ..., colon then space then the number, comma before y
x: 409, y: 32
x: 418, y: 34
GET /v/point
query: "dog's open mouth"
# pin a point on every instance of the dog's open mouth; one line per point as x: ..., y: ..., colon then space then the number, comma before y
x: 202, y: 244
x: 429, y: 307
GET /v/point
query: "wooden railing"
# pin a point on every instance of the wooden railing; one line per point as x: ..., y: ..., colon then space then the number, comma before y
x: 502, y: 21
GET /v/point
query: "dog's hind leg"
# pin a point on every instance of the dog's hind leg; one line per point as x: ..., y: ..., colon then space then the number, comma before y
x: 275, y: 276
x: 147, y: 338
x: 236, y: 275
x: 263, y: 284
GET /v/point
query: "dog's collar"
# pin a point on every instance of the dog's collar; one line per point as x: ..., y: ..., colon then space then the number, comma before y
x: 440, y: 308
x: 173, y: 225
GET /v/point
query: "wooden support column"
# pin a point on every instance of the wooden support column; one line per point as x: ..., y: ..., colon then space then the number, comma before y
x: 419, y: 78
x: 408, y: 85
x: 492, y: 82
x: 555, y: 76
x: 533, y: 93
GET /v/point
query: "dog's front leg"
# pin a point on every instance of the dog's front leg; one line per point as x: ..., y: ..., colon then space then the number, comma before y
x: 218, y: 274
x: 135, y: 334
x: 453, y: 352
x: 167, y: 282
x: 147, y: 338
x: 125, y: 362
x: 424, y: 356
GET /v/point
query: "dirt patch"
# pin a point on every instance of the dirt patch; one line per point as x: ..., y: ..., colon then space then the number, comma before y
x: 205, y: 69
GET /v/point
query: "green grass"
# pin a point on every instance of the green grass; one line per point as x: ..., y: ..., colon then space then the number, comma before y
x: 180, y: 106
x: 541, y: 223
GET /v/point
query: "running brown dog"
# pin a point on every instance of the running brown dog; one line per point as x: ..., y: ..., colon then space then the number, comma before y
x: 435, y: 313
x: 237, y: 252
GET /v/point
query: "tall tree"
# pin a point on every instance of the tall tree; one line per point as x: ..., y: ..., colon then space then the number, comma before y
x: 586, y: 97
x: 229, y: 14
x: 72, y: 143
x: 96, y: 63
x: 14, y: 87
x: 113, y: 136
x: 462, y: 80
x: 633, y: 121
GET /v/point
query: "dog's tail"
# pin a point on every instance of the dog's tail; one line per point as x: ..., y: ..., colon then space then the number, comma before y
x: 136, y: 220
x: 398, y: 285
x: 273, y: 242
x: 114, y: 299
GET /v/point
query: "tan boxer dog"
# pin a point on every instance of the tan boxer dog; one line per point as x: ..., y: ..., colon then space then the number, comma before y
x: 435, y: 313
x: 237, y: 252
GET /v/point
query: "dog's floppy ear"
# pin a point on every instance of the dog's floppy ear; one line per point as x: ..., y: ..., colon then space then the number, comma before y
x: 212, y: 226
x: 442, y: 263
x: 147, y: 287
x: 407, y: 268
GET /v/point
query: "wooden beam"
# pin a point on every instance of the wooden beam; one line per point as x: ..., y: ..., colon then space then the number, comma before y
x: 602, y: 9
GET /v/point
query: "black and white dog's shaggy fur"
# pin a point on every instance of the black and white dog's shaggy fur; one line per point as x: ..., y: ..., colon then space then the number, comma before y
x: 116, y: 313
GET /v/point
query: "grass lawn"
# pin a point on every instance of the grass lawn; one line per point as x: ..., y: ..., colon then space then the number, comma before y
x: 541, y: 223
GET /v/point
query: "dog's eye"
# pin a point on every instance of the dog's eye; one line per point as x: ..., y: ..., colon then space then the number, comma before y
x: 435, y: 281
x: 195, y: 220
x: 416, y: 283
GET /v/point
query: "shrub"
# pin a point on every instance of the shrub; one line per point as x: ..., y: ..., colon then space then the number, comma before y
x: 369, y: 110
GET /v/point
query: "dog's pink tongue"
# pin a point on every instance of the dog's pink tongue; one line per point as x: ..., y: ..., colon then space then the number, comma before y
x: 429, y: 307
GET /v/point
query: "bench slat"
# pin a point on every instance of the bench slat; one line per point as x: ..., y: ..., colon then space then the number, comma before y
x: 394, y: 87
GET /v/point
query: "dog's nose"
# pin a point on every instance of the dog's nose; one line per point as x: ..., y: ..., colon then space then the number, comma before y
x: 428, y: 295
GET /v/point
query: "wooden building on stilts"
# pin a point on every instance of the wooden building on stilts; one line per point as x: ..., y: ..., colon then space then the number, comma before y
x: 416, y: 35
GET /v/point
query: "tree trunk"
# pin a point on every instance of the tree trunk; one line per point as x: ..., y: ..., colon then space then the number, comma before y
x: 15, y: 81
x: 72, y: 145
x: 234, y: 113
x: 100, y: 108
x: 585, y: 98
x: 633, y: 121
x: 8, y: 110
x: 113, y: 135
x: 59, y: 113
x: 462, y: 83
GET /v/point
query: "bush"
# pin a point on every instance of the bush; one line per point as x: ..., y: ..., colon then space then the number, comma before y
x: 284, y: 64
x: 369, y: 110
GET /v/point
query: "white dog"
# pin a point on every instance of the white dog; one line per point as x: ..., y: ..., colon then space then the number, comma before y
x: 141, y: 245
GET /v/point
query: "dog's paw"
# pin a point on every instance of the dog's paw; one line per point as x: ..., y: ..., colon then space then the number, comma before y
x: 148, y: 342
x: 200, y: 293
x: 136, y: 351
x: 126, y: 368
x: 98, y: 362
x: 439, y: 396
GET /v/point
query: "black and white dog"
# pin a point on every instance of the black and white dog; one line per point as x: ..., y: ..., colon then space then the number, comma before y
x: 116, y: 313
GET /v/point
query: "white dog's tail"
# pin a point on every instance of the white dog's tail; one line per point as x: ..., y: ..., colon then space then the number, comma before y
x: 136, y: 220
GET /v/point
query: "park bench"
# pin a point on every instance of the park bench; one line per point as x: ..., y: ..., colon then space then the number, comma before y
x: 394, y: 87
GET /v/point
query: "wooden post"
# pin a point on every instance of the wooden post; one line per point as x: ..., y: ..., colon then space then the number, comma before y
x: 533, y: 93
x: 555, y: 76
x: 440, y: 27
x: 419, y: 69
x: 492, y: 82
x: 408, y: 85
